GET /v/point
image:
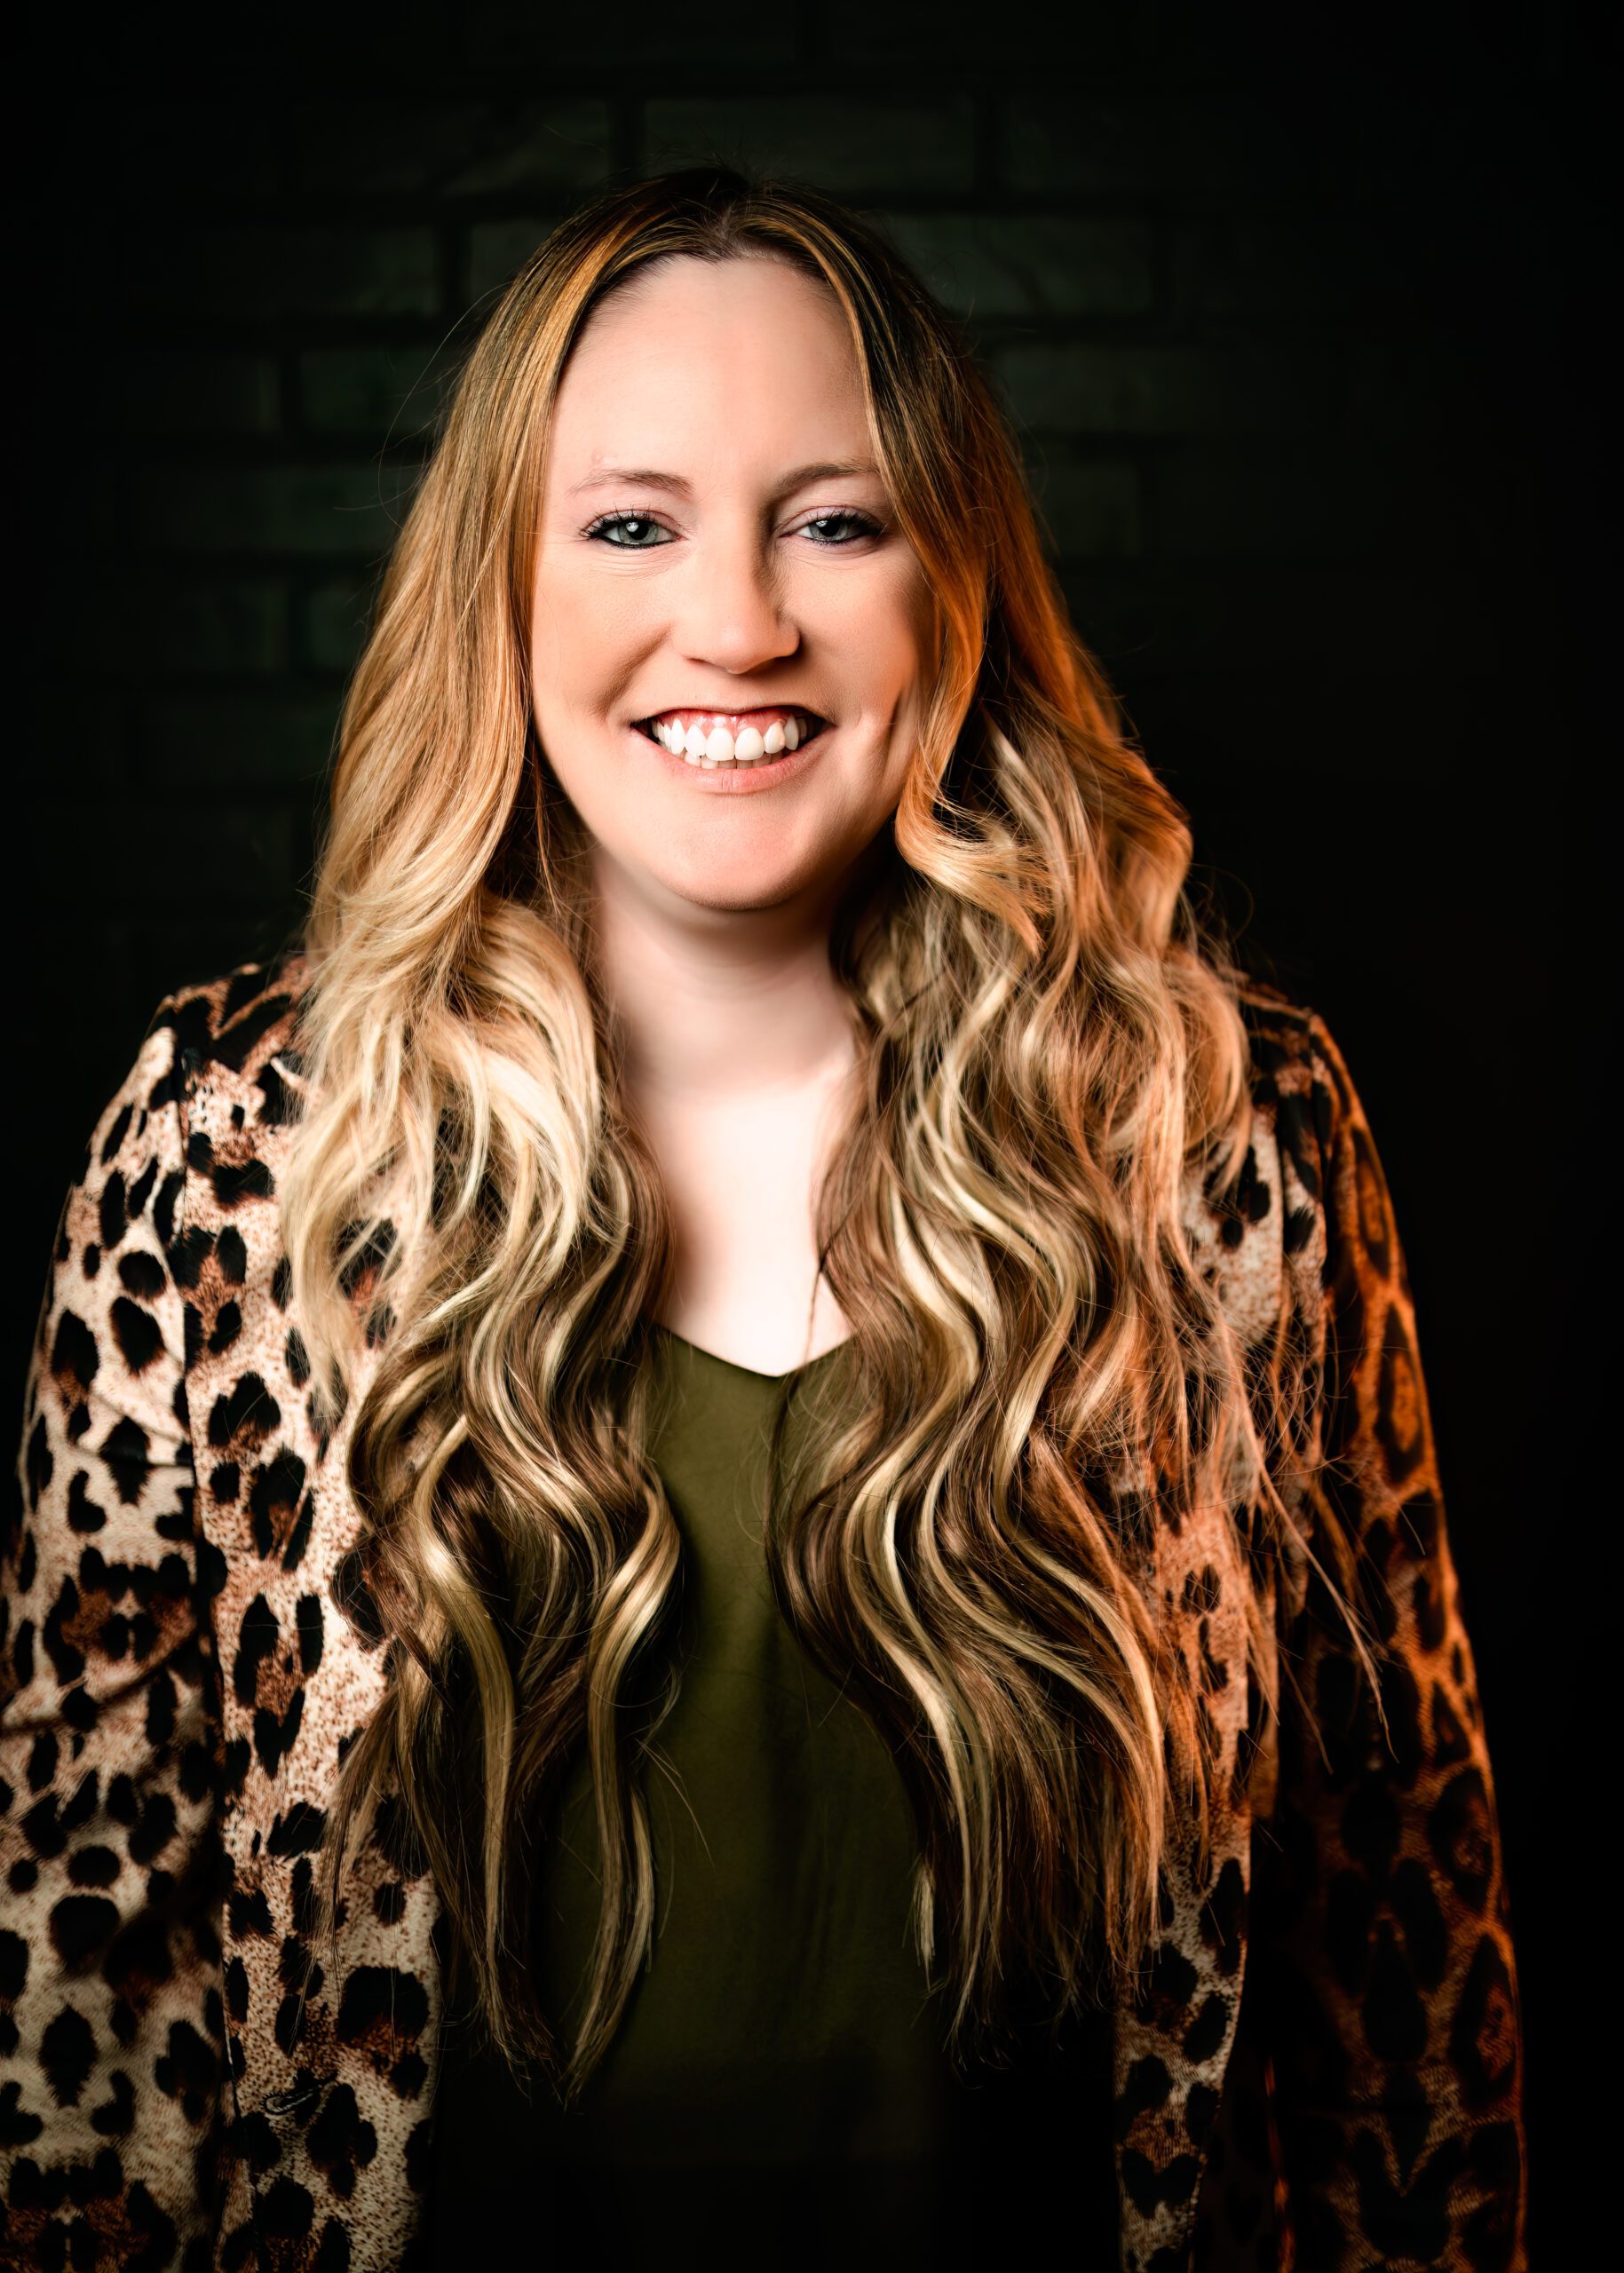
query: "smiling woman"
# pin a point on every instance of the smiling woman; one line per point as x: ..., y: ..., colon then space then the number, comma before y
x: 730, y: 1538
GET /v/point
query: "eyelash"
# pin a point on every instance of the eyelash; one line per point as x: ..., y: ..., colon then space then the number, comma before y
x: 866, y: 527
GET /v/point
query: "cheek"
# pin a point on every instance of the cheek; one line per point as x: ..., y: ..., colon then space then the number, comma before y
x: 911, y: 618
x: 584, y: 631
x: 879, y: 632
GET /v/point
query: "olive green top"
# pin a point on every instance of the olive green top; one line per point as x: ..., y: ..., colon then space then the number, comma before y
x: 784, y: 2032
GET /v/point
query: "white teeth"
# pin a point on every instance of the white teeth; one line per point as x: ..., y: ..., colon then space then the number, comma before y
x: 721, y: 748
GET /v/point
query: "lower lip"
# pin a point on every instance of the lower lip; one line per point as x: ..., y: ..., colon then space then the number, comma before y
x: 737, y: 780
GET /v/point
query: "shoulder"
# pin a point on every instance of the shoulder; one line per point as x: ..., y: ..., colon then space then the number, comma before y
x: 1292, y: 1046
x: 1301, y: 1084
x: 140, y: 1153
x: 1270, y: 1219
x: 235, y: 1024
x: 210, y: 1065
x: 1341, y: 1245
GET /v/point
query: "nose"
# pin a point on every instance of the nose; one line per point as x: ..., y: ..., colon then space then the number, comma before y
x: 733, y: 616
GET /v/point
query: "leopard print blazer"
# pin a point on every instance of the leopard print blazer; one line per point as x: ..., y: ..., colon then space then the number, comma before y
x: 1321, y: 2068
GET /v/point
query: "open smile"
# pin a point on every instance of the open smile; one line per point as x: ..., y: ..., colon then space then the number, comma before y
x: 738, y: 739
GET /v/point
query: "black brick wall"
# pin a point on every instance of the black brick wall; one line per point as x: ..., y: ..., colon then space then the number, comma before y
x: 1299, y: 339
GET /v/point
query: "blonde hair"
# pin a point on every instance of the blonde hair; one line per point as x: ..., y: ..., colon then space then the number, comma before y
x: 1049, y: 1045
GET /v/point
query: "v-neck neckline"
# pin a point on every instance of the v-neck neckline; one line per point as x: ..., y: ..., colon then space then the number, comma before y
x: 750, y: 1373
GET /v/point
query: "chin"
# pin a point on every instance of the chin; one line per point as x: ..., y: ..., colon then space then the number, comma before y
x: 740, y: 900
x: 735, y: 894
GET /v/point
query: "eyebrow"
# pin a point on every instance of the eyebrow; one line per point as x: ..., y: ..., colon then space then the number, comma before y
x: 651, y: 478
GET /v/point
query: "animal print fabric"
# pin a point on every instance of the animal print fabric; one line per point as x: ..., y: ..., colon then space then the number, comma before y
x: 1320, y: 2067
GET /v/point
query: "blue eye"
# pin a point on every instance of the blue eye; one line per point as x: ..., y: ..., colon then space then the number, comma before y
x: 629, y: 531
x: 859, y: 523
x: 636, y: 525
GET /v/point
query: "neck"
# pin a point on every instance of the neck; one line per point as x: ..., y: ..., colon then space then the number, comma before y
x: 717, y: 1004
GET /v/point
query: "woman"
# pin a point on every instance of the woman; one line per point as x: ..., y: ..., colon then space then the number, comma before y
x: 728, y: 1512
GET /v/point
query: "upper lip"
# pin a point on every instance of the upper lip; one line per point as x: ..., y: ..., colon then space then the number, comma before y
x: 729, y: 710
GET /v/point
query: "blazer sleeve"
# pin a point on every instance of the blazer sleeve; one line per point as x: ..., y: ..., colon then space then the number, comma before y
x: 110, y: 2021
x: 1381, y: 1922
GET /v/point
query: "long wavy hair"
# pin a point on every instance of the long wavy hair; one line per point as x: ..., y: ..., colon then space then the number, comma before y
x: 1049, y: 1048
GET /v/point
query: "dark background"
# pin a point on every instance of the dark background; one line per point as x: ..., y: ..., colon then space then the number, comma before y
x: 1299, y: 331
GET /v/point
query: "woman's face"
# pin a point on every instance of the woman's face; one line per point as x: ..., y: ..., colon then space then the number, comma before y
x: 718, y: 564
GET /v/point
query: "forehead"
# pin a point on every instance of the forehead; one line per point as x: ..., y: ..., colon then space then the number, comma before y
x: 708, y: 368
